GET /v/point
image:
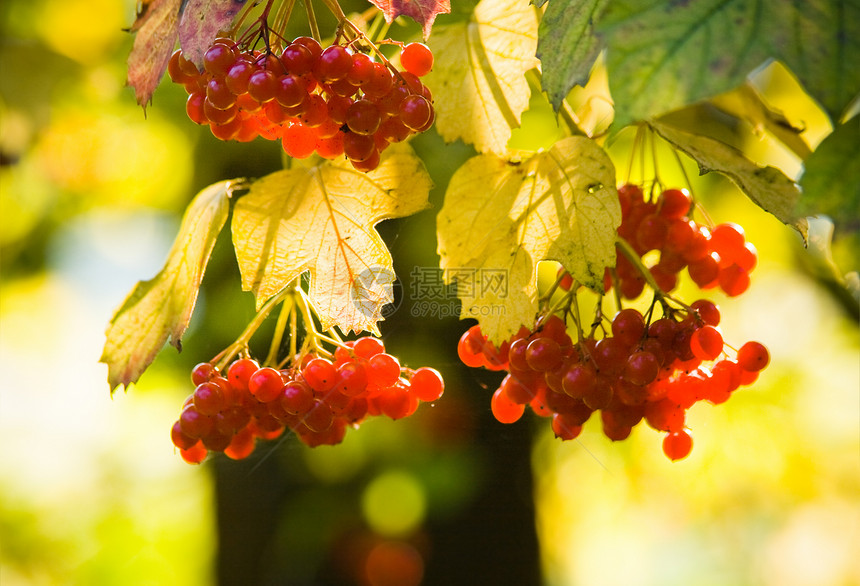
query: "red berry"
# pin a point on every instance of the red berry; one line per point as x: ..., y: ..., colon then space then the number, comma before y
x: 734, y: 280
x: 309, y: 43
x: 218, y: 59
x: 358, y: 147
x: 708, y: 311
x: 351, y: 379
x: 320, y: 374
x: 266, y: 384
x: 203, y: 372
x: 417, y: 59
x: 361, y: 71
x: 241, y: 446
x: 579, y: 380
x: 299, y: 141
x: 427, y: 384
x: 727, y: 240
x: 641, y: 368
x: 674, y: 203
x: 706, y: 343
x: 628, y: 326
x: 195, y: 454
x: 678, y: 444
x: 179, y: 438
x: 194, y: 424
x: 543, y: 354
x: 383, y: 370
x: 414, y: 111
x: 753, y: 357
x: 367, y: 347
x: 262, y: 85
x: 319, y: 417
x: 297, y: 398
x: 504, y: 409
x: 334, y: 63
x: 209, y: 398
x: 298, y: 59
x: 239, y: 373
x: 563, y: 428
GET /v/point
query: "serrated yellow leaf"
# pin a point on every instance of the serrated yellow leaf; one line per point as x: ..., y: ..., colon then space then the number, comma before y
x: 502, y: 218
x: 321, y: 219
x: 161, y: 308
x: 478, y: 80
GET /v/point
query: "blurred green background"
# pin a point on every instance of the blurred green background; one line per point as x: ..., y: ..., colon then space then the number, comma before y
x: 92, y: 493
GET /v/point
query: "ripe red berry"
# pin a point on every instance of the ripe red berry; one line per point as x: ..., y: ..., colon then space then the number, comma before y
x: 678, y: 444
x: 417, y: 59
x: 674, y: 203
x: 641, y: 368
x: 543, y: 354
x: 734, y: 280
x: 218, y: 59
x: 504, y: 409
x: 209, y: 398
x: 320, y: 374
x: 334, y: 63
x: 383, y: 370
x: 628, y: 326
x: 753, y: 357
x: 727, y: 240
x: 706, y: 343
x: 427, y: 384
x: 351, y: 379
x: 239, y: 373
x: 266, y: 384
x: 414, y: 111
x: 563, y: 428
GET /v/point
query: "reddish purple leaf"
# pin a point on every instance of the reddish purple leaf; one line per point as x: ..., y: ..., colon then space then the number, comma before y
x: 156, y: 28
x: 421, y: 11
x: 201, y: 22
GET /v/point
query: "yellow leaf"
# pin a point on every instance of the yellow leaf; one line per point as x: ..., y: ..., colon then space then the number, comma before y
x: 321, y: 219
x: 161, y: 308
x: 478, y: 80
x: 501, y: 218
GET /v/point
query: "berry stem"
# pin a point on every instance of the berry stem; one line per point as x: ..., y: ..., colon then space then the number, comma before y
x: 287, y: 310
x: 335, y: 9
x: 636, y: 261
x: 312, y: 19
x: 282, y: 17
x: 241, y: 342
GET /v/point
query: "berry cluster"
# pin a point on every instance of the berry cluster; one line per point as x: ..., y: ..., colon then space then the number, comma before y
x: 330, y: 101
x: 317, y: 401
x: 716, y: 257
x: 638, y: 370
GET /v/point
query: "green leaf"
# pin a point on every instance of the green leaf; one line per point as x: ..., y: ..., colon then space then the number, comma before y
x: 478, y: 79
x: 501, y: 218
x: 567, y: 46
x: 156, y: 29
x: 321, y: 219
x: 664, y: 55
x: 831, y: 178
x: 768, y: 187
x: 201, y: 22
x: 160, y: 309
